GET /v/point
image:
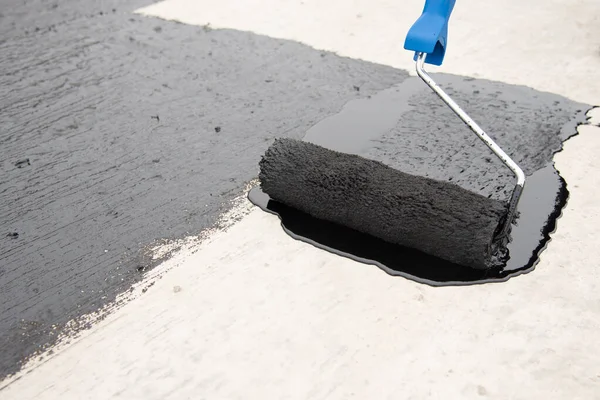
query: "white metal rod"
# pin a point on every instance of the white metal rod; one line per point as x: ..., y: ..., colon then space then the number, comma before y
x: 516, y: 194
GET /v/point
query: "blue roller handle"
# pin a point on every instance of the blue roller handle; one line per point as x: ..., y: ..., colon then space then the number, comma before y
x: 429, y: 34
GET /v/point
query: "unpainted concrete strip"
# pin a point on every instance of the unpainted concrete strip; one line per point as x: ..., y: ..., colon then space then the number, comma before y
x: 549, y: 46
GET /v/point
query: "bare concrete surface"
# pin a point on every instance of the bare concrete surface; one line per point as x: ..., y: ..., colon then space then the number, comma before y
x: 252, y: 313
x: 118, y: 130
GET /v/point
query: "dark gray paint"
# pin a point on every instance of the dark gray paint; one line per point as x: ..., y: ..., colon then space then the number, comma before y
x: 117, y: 114
x: 409, y: 128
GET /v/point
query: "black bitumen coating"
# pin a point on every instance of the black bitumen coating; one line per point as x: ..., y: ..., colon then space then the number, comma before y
x: 118, y: 130
x: 436, y: 217
x: 409, y: 129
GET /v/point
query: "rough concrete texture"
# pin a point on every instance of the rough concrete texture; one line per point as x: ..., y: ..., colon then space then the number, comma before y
x: 436, y: 217
x: 136, y: 130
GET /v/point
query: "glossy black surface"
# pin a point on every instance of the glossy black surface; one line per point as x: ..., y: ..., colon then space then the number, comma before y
x: 541, y: 204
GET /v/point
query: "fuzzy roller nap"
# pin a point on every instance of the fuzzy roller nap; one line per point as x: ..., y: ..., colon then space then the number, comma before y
x: 435, y: 217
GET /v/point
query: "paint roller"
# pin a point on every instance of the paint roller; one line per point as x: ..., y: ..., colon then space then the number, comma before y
x: 435, y: 217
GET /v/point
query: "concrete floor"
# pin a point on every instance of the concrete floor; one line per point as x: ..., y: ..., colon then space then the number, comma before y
x: 251, y: 313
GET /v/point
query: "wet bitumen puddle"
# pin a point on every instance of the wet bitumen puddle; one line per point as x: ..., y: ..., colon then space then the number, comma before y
x: 541, y: 203
x: 365, y: 124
